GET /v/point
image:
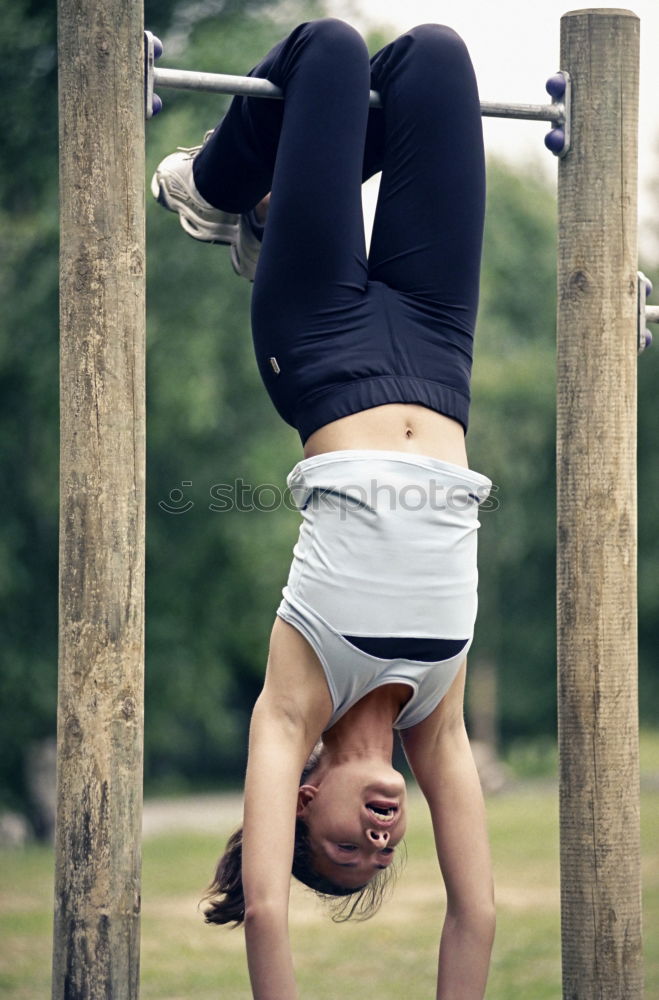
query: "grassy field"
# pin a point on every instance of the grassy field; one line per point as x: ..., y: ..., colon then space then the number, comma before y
x: 391, y: 956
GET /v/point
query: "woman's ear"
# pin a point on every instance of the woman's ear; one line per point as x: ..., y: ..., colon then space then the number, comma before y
x: 305, y: 795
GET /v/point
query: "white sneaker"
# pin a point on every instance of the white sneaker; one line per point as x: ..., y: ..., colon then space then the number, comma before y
x: 246, y: 246
x: 173, y: 187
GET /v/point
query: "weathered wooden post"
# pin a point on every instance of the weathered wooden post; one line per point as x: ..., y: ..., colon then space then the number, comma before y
x: 100, y: 713
x: 596, y: 470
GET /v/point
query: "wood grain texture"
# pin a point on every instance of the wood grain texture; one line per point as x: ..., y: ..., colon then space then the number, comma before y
x: 102, y: 487
x: 596, y: 506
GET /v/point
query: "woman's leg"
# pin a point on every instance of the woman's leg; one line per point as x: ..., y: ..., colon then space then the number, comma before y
x: 428, y: 229
x: 312, y: 274
x: 308, y: 151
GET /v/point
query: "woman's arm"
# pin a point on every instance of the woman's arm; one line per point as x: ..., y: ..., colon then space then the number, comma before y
x: 286, y: 723
x: 440, y: 756
x: 275, y: 762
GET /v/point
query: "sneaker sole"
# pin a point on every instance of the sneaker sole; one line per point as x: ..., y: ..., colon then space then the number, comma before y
x: 243, y: 267
x: 245, y: 251
x: 222, y: 233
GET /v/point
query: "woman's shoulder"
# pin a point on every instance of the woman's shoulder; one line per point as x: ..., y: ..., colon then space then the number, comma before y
x: 295, y: 684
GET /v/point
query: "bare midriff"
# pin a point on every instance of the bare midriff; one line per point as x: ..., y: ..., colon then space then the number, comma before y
x: 393, y: 427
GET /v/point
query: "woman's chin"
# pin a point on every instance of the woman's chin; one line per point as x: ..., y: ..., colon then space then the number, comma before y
x: 388, y: 786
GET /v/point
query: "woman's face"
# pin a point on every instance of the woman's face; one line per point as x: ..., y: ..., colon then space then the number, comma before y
x: 356, y: 816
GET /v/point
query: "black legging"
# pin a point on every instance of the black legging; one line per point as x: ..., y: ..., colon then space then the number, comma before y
x: 349, y: 332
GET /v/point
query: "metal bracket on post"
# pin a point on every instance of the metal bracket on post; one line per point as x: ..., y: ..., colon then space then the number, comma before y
x: 559, y: 87
x: 567, y: 114
x: 152, y: 51
x: 149, y: 60
x: 645, y: 313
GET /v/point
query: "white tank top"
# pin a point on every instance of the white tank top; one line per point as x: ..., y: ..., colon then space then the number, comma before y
x: 387, y: 547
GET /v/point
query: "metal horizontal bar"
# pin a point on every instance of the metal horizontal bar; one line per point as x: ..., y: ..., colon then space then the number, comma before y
x: 652, y: 314
x: 214, y: 83
x: 525, y: 112
x: 251, y: 86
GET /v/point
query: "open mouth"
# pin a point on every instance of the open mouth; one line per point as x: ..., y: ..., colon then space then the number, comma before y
x: 382, y: 812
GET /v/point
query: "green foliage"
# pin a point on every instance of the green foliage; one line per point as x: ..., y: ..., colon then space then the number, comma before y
x: 202, y: 374
x: 512, y: 439
x: 648, y: 522
x: 28, y: 382
x: 214, y: 577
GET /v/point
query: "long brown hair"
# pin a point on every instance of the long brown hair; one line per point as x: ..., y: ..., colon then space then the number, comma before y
x: 226, y: 902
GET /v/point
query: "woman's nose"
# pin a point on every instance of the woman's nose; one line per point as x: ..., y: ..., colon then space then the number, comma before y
x: 378, y: 836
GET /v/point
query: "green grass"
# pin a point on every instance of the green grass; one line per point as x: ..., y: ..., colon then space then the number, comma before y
x: 393, y: 955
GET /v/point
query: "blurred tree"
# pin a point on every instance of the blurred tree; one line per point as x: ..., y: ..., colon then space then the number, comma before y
x: 28, y: 383
x: 512, y: 439
x: 648, y: 488
x: 231, y: 33
x: 214, y: 576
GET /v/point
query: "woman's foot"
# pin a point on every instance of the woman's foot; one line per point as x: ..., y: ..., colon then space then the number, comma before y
x: 173, y: 187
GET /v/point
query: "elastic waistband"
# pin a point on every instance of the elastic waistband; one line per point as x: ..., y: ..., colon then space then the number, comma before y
x: 322, y: 406
x: 374, y: 455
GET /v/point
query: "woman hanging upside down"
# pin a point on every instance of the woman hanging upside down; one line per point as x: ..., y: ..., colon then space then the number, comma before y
x: 369, y: 358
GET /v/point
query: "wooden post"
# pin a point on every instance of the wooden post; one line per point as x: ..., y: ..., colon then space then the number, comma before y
x: 100, y: 711
x: 596, y: 470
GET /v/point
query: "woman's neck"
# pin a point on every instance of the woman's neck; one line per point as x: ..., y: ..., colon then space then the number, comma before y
x: 366, y: 729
